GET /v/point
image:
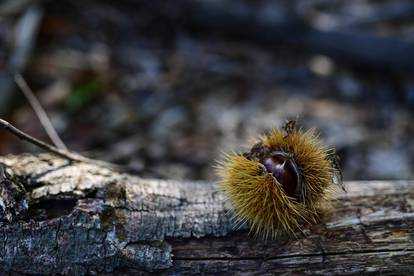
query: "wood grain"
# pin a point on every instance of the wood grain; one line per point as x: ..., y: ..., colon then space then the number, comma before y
x: 78, y: 218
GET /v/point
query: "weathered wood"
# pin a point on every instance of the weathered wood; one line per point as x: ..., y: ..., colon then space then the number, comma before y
x: 78, y: 218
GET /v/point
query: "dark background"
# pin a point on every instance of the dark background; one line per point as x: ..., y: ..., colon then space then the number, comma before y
x: 163, y: 87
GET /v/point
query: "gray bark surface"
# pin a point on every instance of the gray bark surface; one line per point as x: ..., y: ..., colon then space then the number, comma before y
x: 59, y: 217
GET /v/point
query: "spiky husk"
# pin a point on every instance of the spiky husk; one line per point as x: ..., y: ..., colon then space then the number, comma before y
x: 260, y: 201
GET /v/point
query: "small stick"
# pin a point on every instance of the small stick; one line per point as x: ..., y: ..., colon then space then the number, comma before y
x: 24, y: 136
x: 24, y: 37
x: 40, y: 112
x: 66, y: 154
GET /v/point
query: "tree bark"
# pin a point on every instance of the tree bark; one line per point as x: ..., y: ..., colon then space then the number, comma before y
x: 80, y: 218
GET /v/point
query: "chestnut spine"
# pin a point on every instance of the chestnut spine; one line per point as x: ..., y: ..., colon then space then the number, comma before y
x: 284, y: 181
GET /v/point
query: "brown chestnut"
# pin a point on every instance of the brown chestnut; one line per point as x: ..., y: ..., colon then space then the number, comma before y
x: 283, y: 167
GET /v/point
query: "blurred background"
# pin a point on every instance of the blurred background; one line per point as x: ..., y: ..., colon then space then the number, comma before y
x: 163, y: 87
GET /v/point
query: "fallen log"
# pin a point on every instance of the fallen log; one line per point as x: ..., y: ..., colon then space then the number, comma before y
x: 79, y: 218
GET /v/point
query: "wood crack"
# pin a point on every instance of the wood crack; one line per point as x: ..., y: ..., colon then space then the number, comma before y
x: 118, y: 221
x: 324, y: 254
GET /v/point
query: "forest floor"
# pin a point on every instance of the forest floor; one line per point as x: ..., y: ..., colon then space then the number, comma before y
x: 124, y: 85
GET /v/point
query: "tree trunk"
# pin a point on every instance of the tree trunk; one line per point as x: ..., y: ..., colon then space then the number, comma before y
x: 79, y: 218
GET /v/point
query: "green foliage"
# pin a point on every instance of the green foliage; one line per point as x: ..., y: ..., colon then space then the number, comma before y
x: 83, y: 94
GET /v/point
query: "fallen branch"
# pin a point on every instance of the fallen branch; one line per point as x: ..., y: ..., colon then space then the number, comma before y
x: 82, y: 218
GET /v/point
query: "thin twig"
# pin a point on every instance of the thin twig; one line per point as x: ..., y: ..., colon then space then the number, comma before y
x: 66, y: 154
x: 24, y: 136
x: 25, y: 32
x: 40, y: 112
x: 25, y: 37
